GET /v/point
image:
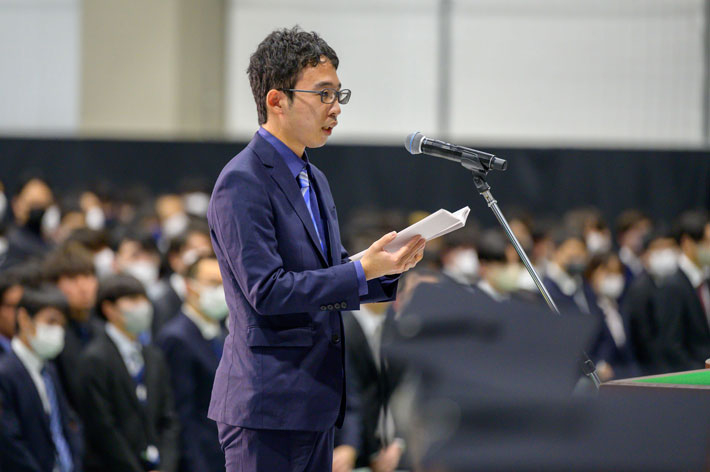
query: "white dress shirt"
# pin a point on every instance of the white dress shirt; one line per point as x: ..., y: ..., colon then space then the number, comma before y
x: 129, y: 349
x: 34, y: 366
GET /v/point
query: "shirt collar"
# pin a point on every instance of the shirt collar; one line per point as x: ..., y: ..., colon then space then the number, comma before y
x: 295, y: 164
x: 27, y: 356
x: 208, y: 329
x: 130, y: 350
x: 491, y: 292
x: 693, y: 272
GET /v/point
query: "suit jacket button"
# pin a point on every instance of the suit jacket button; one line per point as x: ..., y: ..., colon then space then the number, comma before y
x: 335, y: 339
x: 323, y: 308
x: 337, y: 306
x: 343, y: 305
x: 331, y: 307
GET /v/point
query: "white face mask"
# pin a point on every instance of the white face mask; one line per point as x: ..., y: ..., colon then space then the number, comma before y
x: 612, y: 286
x: 51, y: 219
x: 48, y: 341
x: 103, y: 262
x: 213, y: 302
x: 663, y: 262
x: 196, y: 203
x: 465, y: 263
x: 146, y: 272
x: 95, y: 218
x: 175, y: 225
x: 598, y: 243
x: 138, y: 318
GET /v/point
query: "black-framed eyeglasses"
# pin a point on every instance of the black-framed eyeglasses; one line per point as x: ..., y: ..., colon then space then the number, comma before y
x: 327, y: 95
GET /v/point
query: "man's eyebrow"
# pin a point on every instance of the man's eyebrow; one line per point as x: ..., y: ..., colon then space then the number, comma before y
x: 326, y: 83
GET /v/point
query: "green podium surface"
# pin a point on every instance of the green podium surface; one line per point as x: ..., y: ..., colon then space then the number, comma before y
x: 693, y: 379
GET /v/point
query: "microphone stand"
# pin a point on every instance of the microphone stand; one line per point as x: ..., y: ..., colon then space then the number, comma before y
x: 480, y: 170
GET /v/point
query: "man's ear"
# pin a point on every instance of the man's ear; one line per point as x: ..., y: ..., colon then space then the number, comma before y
x: 275, y: 101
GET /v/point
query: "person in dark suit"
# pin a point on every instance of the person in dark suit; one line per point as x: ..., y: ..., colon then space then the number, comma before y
x: 640, y: 308
x: 183, y: 250
x: 38, y: 430
x: 71, y: 268
x: 26, y: 237
x: 684, y: 300
x: 126, y: 399
x: 192, y: 342
x: 10, y: 295
x: 286, y: 275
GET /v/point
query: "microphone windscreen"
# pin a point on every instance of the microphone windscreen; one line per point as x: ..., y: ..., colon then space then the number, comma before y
x: 413, y: 143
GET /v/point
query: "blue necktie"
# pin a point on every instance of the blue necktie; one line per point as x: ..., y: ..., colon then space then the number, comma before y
x: 66, y: 464
x: 305, y: 185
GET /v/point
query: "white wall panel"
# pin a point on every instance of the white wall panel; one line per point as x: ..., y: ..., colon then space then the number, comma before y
x: 385, y: 49
x: 39, y: 66
x: 574, y: 71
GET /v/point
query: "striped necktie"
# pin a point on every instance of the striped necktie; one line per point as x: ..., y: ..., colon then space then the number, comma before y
x: 305, y: 184
x: 61, y: 446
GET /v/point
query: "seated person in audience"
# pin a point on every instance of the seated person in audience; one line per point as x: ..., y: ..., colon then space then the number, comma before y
x: 499, y: 278
x: 71, y: 268
x: 684, y: 298
x: 10, y: 295
x: 137, y: 255
x: 640, y: 308
x: 458, y: 257
x: 183, y: 250
x: 360, y: 442
x: 127, y: 401
x: 569, y: 291
x: 192, y: 342
x: 632, y: 228
x: 26, y: 238
x: 96, y: 241
x: 38, y: 430
x: 604, y: 275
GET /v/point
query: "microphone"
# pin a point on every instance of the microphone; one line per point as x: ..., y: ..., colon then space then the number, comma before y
x: 417, y: 143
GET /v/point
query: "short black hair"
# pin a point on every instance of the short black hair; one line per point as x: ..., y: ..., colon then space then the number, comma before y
x: 491, y: 245
x: 692, y: 224
x: 8, y: 279
x: 279, y: 60
x: 69, y: 260
x: 35, y: 300
x: 117, y: 286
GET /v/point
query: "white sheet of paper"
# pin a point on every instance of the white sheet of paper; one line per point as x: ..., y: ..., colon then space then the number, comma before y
x: 437, y: 224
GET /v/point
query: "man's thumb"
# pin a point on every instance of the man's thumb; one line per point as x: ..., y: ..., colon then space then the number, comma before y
x: 384, y: 240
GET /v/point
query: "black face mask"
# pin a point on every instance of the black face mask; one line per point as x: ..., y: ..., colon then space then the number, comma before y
x: 575, y: 268
x: 34, y: 220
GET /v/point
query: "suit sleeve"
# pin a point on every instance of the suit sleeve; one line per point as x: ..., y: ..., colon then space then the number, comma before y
x: 14, y: 447
x: 242, y: 219
x: 180, y: 365
x: 99, y: 419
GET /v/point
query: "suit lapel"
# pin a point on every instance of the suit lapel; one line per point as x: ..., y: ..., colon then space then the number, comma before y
x: 30, y: 385
x: 289, y: 186
x: 120, y: 368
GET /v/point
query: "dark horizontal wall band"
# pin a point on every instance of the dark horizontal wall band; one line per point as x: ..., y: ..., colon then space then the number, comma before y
x: 544, y: 181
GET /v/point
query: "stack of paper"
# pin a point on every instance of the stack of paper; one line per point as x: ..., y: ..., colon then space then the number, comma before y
x: 437, y: 224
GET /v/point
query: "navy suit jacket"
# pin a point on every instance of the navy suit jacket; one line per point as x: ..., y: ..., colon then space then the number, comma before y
x: 25, y: 438
x: 193, y: 363
x: 283, y: 361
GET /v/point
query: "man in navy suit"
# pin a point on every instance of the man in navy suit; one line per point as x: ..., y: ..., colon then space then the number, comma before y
x: 279, y: 387
x: 38, y: 430
x: 192, y: 341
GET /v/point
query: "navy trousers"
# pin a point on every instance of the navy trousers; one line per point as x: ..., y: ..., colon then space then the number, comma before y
x: 267, y: 450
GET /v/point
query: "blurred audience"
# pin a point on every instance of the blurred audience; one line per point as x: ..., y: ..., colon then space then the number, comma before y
x: 129, y: 269
x: 192, y: 342
x: 126, y: 399
x: 38, y: 429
